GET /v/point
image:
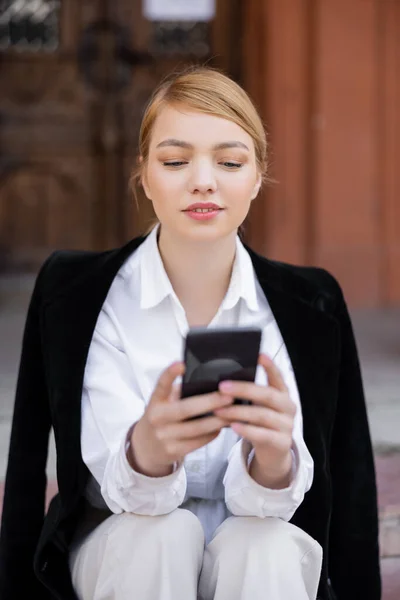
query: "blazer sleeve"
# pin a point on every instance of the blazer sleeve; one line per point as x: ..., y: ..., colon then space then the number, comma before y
x: 354, y: 549
x: 25, y: 485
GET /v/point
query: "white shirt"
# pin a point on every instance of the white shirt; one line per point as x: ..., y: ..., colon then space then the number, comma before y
x: 140, y: 331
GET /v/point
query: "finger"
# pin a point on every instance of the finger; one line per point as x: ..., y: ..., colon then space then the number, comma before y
x: 192, y: 429
x: 257, y: 415
x: 164, y: 384
x: 175, y: 394
x: 184, y: 447
x: 275, y: 378
x: 258, y: 394
x: 195, y: 406
x: 260, y: 435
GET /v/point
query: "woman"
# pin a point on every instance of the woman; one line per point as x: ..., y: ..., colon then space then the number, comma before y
x: 272, y: 500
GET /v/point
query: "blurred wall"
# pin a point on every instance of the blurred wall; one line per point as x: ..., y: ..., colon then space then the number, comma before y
x: 326, y: 76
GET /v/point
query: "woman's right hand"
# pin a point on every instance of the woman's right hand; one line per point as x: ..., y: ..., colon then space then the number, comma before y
x: 162, y: 437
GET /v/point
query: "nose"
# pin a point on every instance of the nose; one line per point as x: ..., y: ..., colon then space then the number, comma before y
x: 202, y: 178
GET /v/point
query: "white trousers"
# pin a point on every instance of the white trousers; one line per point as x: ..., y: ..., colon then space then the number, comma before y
x: 138, y: 557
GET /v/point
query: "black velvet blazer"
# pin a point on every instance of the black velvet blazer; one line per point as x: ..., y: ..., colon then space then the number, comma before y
x: 340, y: 510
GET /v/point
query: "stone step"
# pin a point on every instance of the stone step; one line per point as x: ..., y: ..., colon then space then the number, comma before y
x: 390, y: 578
x: 388, y: 478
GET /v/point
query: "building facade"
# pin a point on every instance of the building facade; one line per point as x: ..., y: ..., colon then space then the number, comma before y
x: 325, y: 75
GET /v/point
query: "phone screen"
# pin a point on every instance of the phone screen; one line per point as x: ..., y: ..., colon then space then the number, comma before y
x: 214, y: 355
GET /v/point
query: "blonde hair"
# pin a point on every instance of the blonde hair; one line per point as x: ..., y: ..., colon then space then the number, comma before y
x: 209, y: 91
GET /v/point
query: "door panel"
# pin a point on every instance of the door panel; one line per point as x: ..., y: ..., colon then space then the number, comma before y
x: 70, y: 115
x: 46, y: 163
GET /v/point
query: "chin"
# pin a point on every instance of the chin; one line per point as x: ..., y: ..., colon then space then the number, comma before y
x: 188, y: 230
x: 206, y: 232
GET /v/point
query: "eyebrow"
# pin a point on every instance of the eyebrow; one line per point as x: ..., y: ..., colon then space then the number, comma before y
x: 187, y: 146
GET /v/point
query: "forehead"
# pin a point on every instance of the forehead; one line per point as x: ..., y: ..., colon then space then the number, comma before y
x: 196, y: 128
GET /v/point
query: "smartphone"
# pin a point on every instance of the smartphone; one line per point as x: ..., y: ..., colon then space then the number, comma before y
x: 215, y: 355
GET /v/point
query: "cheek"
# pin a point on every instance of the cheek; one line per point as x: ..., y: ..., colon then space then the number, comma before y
x: 239, y: 187
x: 163, y: 183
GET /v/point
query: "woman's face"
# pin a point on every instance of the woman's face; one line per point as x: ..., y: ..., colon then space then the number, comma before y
x: 199, y: 159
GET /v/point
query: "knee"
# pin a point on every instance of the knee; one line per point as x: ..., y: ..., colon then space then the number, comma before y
x: 175, y: 528
x: 271, y: 536
x: 181, y: 525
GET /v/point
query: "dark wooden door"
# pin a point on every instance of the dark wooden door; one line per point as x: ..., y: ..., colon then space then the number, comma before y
x: 47, y: 158
x: 74, y: 78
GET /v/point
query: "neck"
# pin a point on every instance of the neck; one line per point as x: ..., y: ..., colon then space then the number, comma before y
x: 199, y: 273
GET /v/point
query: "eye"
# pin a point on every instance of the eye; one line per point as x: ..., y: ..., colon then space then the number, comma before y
x: 232, y: 165
x: 174, y: 163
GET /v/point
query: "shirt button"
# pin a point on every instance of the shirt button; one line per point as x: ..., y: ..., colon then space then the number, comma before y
x: 44, y: 566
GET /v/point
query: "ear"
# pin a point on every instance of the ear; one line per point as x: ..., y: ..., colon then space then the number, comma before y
x: 257, y: 187
x: 143, y: 178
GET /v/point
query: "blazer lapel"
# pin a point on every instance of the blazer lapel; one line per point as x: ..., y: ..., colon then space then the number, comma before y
x: 311, y: 337
x: 69, y: 320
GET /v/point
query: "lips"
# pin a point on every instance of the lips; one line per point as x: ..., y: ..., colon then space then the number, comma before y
x: 203, y: 205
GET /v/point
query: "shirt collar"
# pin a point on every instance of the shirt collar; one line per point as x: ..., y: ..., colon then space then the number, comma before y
x: 242, y: 283
x: 156, y: 286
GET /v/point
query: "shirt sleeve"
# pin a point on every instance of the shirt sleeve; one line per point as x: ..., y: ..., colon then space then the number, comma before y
x: 243, y: 495
x: 110, y: 405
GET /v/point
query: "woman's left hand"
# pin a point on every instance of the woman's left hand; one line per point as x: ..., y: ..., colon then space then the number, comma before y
x: 267, y: 424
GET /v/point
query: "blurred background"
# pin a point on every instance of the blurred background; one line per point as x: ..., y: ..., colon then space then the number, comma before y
x: 75, y: 76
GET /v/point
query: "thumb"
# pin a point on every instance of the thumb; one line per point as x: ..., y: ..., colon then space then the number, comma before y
x: 165, y: 382
x: 175, y: 394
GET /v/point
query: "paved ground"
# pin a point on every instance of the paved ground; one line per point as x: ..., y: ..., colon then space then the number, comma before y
x: 378, y: 338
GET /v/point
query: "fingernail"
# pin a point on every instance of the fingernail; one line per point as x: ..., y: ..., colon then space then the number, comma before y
x: 226, y: 386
